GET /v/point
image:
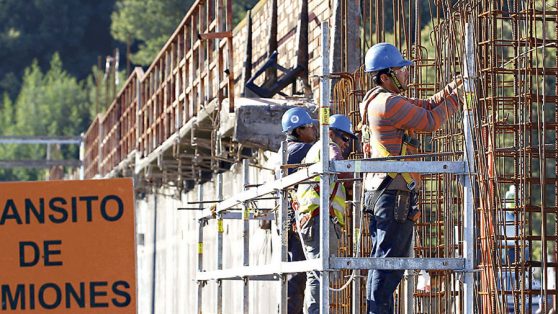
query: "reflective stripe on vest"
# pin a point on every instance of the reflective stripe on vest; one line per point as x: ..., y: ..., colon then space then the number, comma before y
x: 308, y: 197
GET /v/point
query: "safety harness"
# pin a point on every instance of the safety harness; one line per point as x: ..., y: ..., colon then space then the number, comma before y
x: 395, y: 80
x: 368, y: 143
x: 307, y: 197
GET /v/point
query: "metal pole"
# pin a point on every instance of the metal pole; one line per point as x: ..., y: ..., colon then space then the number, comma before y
x: 201, y: 223
x: 219, y: 247
x: 70, y: 140
x: 48, y: 158
x: 246, y: 236
x: 283, y: 225
x: 410, y: 287
x: 357, y: 229
x: 139, y: 123
x: 325, y: 176
x: 82, y: 158
x: 468, y: 222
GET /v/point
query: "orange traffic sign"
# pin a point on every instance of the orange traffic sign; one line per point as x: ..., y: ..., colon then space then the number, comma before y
x: 67, y: 247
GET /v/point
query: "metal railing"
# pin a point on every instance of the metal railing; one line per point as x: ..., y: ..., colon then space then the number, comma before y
x: 91, y: 150
x: 193, y: 69
x: 118, y: 126
x: 325, y: 169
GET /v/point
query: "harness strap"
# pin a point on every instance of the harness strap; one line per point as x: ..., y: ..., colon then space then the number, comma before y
x: 395, y: 80
x: 304, y: 219
x: 367, y: 144
x: 331, y: 197
x: 411, y: 184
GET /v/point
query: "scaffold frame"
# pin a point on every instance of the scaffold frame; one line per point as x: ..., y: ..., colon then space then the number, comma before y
x: 326, y: 169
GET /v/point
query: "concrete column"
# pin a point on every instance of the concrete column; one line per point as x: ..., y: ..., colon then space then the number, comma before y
x: 349, y: 20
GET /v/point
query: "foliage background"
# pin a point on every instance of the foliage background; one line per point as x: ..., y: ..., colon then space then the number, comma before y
x: 52, y: 56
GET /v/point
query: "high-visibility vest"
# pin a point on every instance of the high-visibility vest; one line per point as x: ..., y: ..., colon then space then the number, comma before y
x: 308, y: 196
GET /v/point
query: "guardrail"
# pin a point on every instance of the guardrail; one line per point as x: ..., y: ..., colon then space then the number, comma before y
x: 189, y: 72
x: 193, y: 68
x: 118, y: 125
x: 91, y: 147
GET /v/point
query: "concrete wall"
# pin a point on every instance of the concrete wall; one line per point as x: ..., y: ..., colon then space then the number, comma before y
x: 167, y: 256
x: 167, y: 249
x: 288, y: 15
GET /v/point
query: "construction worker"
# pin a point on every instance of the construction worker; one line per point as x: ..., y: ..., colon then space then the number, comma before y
x: 389, y: 121
x: 308, y: 197
x: 301, y: 134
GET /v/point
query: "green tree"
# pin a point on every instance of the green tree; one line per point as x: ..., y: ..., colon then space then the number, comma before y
x: 6, y: 127
x: 78, y: 30
x: 52, y: 104
x: 147, y: 23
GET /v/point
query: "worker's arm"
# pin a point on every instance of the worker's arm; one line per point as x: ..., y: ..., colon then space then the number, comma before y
x: 336, y: 154
x: 451, y: 92
x: 423, y: 115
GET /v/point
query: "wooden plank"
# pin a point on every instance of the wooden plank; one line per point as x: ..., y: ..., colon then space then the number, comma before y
x: 215, y: 35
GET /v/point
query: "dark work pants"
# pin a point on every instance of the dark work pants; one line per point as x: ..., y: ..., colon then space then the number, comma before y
x: 389, y: 239
x: 296, y: 283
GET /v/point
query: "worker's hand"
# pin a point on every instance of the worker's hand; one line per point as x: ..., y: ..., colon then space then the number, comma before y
x: 458, y: 81
x: 415, y: 216
x: 456, y: 87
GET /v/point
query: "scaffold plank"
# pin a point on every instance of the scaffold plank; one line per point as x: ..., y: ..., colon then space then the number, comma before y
x: 334, y: 263
x: 455, y: 167
x: 260, y: 270
x: 397, y: 263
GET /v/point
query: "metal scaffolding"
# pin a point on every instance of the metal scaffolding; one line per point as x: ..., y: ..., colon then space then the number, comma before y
x: 163, y: 128
x: 513, y: 118
x: 326, y: 170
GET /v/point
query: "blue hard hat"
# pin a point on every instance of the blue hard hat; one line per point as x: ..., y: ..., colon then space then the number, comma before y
x: 341, y: 122
x: 382, y: 56
x: 294, y: 118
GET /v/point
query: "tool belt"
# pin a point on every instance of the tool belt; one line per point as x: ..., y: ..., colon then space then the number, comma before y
x: 370, y: 203
x: 404, y: 208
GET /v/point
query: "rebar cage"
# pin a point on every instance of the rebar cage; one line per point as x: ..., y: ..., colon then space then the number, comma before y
x: 515, y: 125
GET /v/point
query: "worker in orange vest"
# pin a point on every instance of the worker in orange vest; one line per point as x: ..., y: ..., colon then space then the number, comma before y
x: 389, y: 121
